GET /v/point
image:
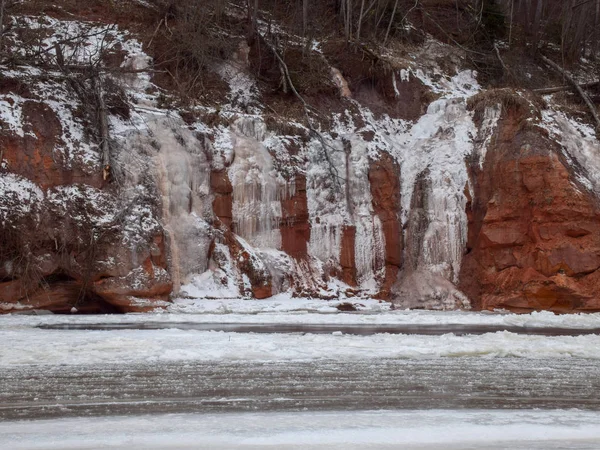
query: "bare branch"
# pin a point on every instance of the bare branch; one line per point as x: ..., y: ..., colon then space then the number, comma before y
x: 307, y: 108
x: 506, y: 69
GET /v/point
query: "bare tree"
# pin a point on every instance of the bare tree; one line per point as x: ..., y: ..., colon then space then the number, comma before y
x: 193, y: 43
x: 346, y: 15
x: 537, y: 23
x: 360, y: 17
x: 304, y: 16
x: 307, y: 108
x: 596, y: 45
x: 81, y: 66
x: 363, y: 12
x: 252, y: 13
x: 387, y: 33
x: 510, y: 27
x: 2, y: 8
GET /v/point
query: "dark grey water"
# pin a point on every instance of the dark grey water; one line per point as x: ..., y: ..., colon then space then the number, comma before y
x: 358, y: 329
x: 446, y: 383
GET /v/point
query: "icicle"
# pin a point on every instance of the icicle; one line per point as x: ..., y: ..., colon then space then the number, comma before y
x: 257, y: 191
x: 184, y: 182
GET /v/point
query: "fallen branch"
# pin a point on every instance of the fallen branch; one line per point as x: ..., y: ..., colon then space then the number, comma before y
x: 576, y: 85
x: 553, y: 90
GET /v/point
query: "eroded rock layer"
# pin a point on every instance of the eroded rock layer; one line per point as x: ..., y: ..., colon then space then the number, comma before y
x: 534, y: 229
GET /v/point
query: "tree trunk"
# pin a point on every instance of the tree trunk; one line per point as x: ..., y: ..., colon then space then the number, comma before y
x: 596, y: 44
x: 360, y: 16
x: 387, y: 33
x: 103, y: 126
x: 363, y: 13
x: 566, y: 25
x: 348, y: 19
x: 512, y: 7
x: 528, y: 11
x: 578, y: 35
x: 343, y: 13
x: 537, y: 22
x: 252, y: 8
x: 304, y: 17
x: 2, y: 7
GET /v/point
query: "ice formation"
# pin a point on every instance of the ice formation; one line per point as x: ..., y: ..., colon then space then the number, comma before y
x: 257, y: 189
x: 184, y: 182
x: 338, y: 194
x: 169, y: 162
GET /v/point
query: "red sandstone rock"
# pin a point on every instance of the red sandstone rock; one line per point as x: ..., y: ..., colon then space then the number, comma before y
x: 534, y: 233
x: 384, y: 178
x: 223, y: 200
x: 142, y: 282
x: 33, y: 157
x: 348, y: 255
x: 295, y: 227
x: 61, y: 272
x: 251, y: 266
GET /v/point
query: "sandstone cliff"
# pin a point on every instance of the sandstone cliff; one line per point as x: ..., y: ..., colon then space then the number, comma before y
x: 412, y: 183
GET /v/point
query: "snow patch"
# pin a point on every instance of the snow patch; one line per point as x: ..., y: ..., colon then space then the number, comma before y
x: 579, y: 143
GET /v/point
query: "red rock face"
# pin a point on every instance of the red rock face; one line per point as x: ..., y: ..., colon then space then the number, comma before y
x: 59, y: 297
x: 33, y: 155
x: 295, y: 228
x: 146, y: 282
x: 43, y: 261
x: 534, y: 232
x: 261, y: 285
x: 348, y: 255
x: 223, y: 197
x: 384, y: 178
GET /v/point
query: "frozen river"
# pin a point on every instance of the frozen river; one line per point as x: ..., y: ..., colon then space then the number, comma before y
x: 448, y: 383
x: 311, y: 430
x: 313, y: 380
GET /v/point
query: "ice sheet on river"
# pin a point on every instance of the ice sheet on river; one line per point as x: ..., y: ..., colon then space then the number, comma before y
x: 446, y: 430
x: 80, y: 347
x: 283, y: 309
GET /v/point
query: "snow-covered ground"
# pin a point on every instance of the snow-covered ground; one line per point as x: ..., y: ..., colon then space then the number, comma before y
x: 449, y: 429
